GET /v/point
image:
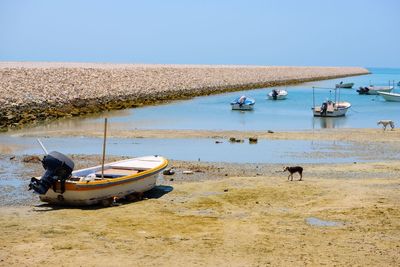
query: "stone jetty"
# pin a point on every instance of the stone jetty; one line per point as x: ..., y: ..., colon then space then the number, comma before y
x: 33, y: 91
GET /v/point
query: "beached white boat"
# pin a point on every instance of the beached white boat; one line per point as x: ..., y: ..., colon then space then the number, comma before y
x: 61, y: 185
x: 277, y: 94
x: 331, y: 109
x: 373, y: 90
x: 243, y: 103
x: 344, y: 85
x: 392, y: 97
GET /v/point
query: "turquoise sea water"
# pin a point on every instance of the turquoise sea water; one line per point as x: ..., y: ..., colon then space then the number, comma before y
x: 214, y: 113
x: 294, y: 113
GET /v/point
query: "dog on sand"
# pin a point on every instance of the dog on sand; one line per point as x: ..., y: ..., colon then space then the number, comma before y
x: 386, y: 123
x: 293, y: 170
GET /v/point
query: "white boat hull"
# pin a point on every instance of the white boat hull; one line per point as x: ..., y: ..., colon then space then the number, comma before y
x: 282, y: 94
x: 392, y: 97
x: 89, y: 192
x: 374, y: 90
x: 345, y: 85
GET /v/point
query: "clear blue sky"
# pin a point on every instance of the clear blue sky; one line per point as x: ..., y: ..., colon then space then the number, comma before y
x: 281, y: 32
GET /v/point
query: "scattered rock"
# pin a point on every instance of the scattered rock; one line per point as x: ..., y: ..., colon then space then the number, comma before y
x: 235, y: 140
x: 169, y: 171
x: 253, y: 140
x: 31, y: 159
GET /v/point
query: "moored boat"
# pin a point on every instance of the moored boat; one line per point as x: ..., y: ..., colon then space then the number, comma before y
x: 243, y: 103
x: 344, y: 85
x: 373, y: 90
x: 331, y: 109
x: 99, y: 184
x: 277, y: 94
x: 391, y: 97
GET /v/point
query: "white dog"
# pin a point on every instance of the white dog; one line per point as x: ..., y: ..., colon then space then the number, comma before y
x: 385, y: 123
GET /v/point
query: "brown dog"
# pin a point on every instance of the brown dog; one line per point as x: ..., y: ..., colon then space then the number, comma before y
x: 293, y: 170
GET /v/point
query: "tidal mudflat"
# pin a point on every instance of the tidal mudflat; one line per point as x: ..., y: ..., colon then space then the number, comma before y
x: 236, y: 215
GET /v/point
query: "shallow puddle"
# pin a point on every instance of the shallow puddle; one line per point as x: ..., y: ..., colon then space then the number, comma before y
x: 322, y: 223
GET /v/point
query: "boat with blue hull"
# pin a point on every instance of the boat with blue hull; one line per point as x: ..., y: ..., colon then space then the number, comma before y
x: 243, y: 103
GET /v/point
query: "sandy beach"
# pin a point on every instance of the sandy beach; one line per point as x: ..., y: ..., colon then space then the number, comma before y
x: 32, y: 92
x: 229, y: 215
x: 223, y: 214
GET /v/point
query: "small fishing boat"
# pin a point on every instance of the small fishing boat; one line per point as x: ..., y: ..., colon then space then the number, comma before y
x: 392, y: 97
x: 60, y: 184
x: 99, y: 184
x: 331, y: 109
x: 277, y: 94
x: 344, y: 85
x: 243, y: 103
x: 373, y: 90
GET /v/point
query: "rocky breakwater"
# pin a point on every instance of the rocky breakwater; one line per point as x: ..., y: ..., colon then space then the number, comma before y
x: 33, y: 92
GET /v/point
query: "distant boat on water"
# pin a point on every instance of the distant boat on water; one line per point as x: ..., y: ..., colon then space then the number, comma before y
x: 344, y: 85
x: 373, y: 90
x: 330, y: 108
x: 391, y: 97
x: 243, y: 103
x: 277, y: 94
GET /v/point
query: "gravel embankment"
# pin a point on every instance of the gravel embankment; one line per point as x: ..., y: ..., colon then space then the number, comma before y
x: 38, y: 91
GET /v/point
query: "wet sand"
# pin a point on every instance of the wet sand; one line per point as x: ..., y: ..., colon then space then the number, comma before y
x: 242, y: 219
x: 343, y: 134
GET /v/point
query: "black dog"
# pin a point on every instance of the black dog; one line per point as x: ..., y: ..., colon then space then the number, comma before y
x: 293, y: 170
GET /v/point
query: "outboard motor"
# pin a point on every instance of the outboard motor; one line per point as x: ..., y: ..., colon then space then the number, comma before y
x: 58, y: 168
x: 324, y: 108
x: 274, y: 94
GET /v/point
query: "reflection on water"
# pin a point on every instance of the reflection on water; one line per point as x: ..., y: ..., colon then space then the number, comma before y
x: 328, y: 123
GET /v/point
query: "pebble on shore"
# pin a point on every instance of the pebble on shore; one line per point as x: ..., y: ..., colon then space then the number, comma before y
x: 38, y: 91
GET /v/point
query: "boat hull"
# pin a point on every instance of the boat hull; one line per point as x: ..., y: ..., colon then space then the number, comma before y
x: 374, y: 90
x: 345, y: 85
x: 242, y: 106
x: 281, y: 95
x: 79, y: 193
x: 335, y: 113
x: 391, y: 97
